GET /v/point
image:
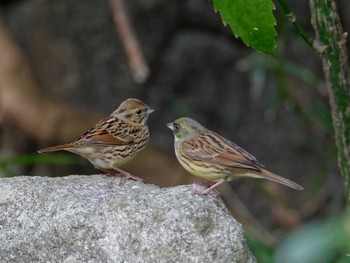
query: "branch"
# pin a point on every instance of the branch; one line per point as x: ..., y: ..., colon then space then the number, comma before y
x: 137, y: 62
x: 329, y: 33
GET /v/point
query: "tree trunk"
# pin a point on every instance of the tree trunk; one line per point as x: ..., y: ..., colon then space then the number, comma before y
x: 332, y: 49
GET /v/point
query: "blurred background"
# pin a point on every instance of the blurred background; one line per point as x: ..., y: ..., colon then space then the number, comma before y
x: 63, y: 66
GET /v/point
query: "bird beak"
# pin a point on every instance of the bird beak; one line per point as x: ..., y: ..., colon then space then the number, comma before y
x: 170, y: 125
x: 150, y: 110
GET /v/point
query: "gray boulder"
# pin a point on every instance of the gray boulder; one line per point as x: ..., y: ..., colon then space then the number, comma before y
x: 108, y: 219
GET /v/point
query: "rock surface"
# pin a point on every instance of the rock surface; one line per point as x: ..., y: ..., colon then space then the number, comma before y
x: 108, y: 219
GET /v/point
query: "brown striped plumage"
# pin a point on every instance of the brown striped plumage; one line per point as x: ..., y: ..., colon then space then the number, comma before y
x: 208, y: 155
x: 115, y: 140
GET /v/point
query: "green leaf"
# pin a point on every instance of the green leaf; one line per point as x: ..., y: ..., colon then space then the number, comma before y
x: 57, y: 158
x: 251, y: 20
x: 30, y: 159
x: 326, y: 240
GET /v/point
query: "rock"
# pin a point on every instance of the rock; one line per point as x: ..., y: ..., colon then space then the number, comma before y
x: 108, y: 219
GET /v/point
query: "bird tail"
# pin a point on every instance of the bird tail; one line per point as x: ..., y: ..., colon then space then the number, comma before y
x: 265, y: 174
x: 56, y: 148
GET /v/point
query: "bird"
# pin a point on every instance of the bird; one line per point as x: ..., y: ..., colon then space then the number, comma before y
x: 210, y: 156
x: 114, y: 140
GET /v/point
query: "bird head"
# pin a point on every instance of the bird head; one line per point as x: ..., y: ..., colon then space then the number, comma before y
x: 133, y: 111
x: 185, y: 128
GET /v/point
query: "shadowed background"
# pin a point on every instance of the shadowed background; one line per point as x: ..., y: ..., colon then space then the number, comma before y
x: 63, y: 67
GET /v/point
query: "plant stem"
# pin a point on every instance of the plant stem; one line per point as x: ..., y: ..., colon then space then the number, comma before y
x: 291, y: 17
x: 332, y: 39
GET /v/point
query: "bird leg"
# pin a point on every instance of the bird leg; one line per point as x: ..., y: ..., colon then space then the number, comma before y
x: 208, y: 190
x: 205, y: 183
x: 128, y: 175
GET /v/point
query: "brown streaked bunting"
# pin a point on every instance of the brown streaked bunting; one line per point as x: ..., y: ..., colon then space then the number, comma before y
x: 208, y: 155
x: 115, y: 140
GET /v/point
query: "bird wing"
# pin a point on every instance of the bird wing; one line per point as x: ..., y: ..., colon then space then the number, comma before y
x: 105, y: 137
x: 105, y: 133
x: 212, y: 148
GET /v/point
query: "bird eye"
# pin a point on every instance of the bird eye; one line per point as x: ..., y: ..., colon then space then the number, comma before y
x: 176, y: 127
x: 139, y: 112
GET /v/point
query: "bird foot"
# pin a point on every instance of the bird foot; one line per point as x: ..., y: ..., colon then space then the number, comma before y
x: 209, y: 189
x: 203, y: 191
x: 128, y: 175
x: 200, y: 192
x: 133, y: 177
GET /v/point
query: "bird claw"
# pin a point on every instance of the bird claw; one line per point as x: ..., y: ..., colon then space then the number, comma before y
x: 128, y: 175
x: 133, y: 177
x: 200, y: 191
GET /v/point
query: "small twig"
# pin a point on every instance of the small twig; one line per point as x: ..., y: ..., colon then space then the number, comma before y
x: 314, y: 204
x: 291, y: 17
x: 137, y: 62
x: 240, y: 211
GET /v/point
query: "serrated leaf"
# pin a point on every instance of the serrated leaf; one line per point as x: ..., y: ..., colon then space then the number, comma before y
x: 251, y: 20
